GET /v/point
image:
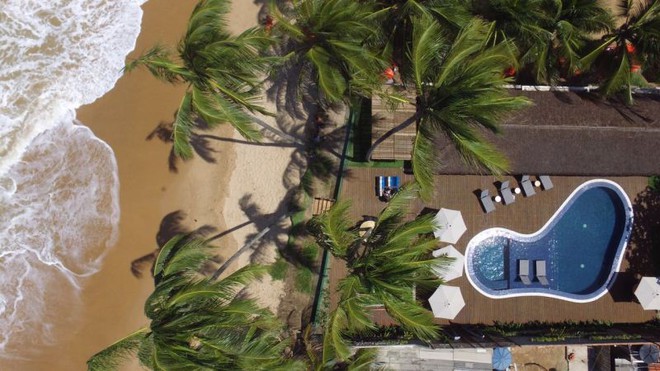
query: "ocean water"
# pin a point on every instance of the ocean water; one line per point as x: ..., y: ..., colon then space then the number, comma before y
x: 59, y: 191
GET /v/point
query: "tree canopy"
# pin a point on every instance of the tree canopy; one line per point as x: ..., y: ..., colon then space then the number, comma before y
x: 385, y: 267
x: 198, y: 323
x: 223, y: 73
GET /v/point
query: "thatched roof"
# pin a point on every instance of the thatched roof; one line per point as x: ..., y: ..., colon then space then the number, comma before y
x: 399, y: 146
x: 570, y: 134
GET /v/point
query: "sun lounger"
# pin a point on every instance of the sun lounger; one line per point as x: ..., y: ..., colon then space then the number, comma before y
x: 523, y: 271
x: 381, y: 183
x: 393, y: 183
x: 546, y: 183
x: 526, y: 186
x: 541, y: 274
x: 505, y: 192
x: 486, y: 202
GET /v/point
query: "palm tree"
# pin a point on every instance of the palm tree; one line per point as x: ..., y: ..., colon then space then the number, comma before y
x: 635, y: 41
x: 384, y: 267
x: 572, y: 24
x: 330, y: 44
x: 521, y: 21
x: 397, y: 23
x: 222, y: 72
x: 548, y: 34
x: 459, y: 89
x: 198, y: 323
x: 321, y: 355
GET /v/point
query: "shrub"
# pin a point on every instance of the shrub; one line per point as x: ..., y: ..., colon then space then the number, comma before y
x: 278, y: 269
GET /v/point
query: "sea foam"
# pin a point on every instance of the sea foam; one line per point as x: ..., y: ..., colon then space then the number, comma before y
x: 59, y: 206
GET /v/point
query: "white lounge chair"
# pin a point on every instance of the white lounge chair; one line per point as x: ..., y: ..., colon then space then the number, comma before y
x: 546, y: 183
x: 486, y: 202
x: 523, y: 271
x: 505, y: 192
x: 541, y: 274
x: 527, y: 186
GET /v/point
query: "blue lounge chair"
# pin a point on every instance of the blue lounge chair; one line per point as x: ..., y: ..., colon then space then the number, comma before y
x: 541, y: 273
x: 381, y: 183
x: 526, y: 186
x: 505, y: 192
x: 393, y: 183
x: 546, y: 183
x: 523, y: 271
x: 486, y: 202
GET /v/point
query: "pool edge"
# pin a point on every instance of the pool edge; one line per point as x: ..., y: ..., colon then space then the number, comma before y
x: 616, y: 264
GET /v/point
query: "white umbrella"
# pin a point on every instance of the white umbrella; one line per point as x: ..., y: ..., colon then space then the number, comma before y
x: 455, y: 268
x: 648, y: 293
x: 449, y: 225
x: 446, y: 302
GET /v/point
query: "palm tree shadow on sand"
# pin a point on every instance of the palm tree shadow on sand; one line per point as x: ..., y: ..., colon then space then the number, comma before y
x: 309, y: 172
x: 200, y: 144
x: 171, y: 225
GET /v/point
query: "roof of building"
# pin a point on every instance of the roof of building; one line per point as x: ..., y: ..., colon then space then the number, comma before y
x: 563, y: 133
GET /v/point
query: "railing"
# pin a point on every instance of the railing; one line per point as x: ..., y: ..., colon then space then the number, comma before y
x: 353, y: 117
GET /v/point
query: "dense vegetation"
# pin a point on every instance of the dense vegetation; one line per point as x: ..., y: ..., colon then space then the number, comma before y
x: 453, y: 60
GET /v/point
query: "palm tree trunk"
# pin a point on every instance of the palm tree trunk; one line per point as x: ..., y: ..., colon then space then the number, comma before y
x: 389, y: 133
x: 247, y: 246
x: 289, y: 138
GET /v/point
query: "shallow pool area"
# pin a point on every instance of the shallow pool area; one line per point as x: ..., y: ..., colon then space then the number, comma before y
x: 581, y: 247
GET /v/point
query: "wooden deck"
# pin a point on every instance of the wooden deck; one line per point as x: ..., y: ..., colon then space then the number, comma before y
x: 526, y: 215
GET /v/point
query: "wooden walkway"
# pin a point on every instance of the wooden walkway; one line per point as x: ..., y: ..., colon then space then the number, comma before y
x: 526, y: 215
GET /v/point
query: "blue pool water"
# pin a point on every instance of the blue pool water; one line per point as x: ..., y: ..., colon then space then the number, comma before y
x: 582, y: 245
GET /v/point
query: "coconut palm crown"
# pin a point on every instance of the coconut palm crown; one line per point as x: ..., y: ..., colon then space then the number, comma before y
x: 635, y: 41
x: 572, y: 24
x: 460, y: 89
x: 222, y: 72
x: 330, y: 44
x: 399, y: 14
x: 384, y: 267
x: 198, y: 323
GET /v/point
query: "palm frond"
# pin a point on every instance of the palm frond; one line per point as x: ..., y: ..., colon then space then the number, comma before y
x: 182, y: 128
x: 111, y: 357
x: 354, y: 301
x: 335, y: 345
x: 330, y: 79
x: 399, y: 204
x: 215, y: 110
x: 587, y: 60
x: 619, y: 79
x: 165, y: 254
x: 413, y: 318
x: 334, y: 228
x: 189, y: 255
x: 424, y: 162
x: 362, y: 360
x: 159, y: 62
x: 428, y: 43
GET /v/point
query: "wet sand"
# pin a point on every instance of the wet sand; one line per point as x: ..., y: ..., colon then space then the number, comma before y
x: 113, y: 299
x: 206, y: 192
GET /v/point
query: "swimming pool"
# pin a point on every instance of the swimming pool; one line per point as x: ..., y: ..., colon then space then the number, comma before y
x: 582, y: 243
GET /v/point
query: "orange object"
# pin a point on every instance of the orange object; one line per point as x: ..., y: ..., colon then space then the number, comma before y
x: 509, y: 72
x: 269, y: 22
x: 389, y: 73
x: 635, y: 67
x: 630, y: 48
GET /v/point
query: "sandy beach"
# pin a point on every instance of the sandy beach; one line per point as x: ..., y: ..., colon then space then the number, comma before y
x: 207, y: 193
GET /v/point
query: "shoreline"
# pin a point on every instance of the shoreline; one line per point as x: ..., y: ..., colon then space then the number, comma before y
x: 237, y: 203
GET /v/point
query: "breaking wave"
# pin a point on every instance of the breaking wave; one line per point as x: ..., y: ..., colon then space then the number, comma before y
x: 59, y: 203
